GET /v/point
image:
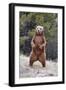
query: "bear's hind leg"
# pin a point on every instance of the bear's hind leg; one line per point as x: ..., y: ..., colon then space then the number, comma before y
x: 33, y: 58
x: 42, y: 59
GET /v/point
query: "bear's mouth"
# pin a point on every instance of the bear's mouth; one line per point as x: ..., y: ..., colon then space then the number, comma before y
x: 38, y: 32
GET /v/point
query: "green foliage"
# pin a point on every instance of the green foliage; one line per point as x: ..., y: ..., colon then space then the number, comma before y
x: 22, y: 40
x: 31, y: 33
x: 48, y: 20
x: 29, y: 20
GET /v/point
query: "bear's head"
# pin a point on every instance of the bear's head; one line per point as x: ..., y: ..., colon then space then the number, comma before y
x: 39, y: 30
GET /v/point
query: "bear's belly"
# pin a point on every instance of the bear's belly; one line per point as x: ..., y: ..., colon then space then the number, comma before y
x: 38, y: 40
x: 38, y: 51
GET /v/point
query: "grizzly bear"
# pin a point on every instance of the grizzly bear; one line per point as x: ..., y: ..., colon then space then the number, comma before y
x: 38, y: 44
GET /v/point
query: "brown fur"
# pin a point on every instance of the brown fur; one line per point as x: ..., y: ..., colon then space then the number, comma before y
x: 38, y: 51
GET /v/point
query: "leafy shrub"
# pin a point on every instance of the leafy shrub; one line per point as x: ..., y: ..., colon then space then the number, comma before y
x: 28, y: 22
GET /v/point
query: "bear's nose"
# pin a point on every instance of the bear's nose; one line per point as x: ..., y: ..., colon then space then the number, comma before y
x: 38, y: 30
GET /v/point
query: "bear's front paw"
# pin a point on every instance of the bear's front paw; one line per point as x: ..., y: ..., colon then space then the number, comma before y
x: 40, y: 46
x: 33, y: 45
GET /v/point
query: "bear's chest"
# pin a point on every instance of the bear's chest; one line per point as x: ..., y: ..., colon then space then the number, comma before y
x: 38, y: 40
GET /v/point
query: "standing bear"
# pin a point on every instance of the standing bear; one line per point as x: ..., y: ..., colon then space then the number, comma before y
x: 38, y: 44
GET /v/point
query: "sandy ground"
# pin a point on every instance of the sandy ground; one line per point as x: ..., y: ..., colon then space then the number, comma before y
x: 37, y: 70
